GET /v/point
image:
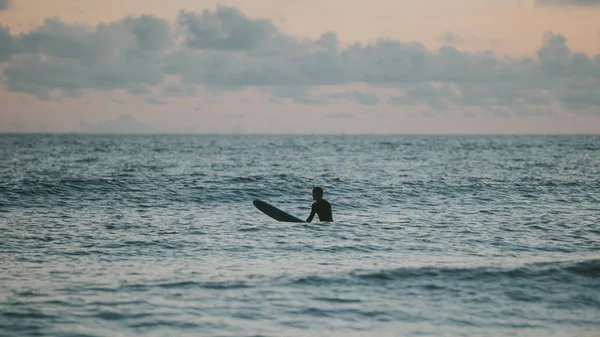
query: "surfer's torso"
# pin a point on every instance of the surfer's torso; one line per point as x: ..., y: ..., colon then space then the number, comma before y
x: 323, y: 210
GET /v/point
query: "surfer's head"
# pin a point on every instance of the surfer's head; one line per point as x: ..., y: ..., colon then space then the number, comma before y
x: 317, y: 193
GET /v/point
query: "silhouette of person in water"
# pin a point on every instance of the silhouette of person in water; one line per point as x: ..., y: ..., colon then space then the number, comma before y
x: 321, y: 206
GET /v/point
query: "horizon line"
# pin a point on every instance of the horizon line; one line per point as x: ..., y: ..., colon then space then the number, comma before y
x: 281, y: 134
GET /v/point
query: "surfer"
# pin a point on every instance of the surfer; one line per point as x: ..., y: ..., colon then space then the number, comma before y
x: 321, y: 206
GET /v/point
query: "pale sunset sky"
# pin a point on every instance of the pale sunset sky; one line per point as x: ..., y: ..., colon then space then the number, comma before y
x: 293, y: 66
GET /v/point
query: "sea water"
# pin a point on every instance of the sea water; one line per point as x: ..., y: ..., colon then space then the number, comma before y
x: 156, y: 235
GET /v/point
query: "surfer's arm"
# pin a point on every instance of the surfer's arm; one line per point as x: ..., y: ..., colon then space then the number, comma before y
x: 311, y: 216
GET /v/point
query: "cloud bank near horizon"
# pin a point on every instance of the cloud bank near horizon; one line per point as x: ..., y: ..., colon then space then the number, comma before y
x: 4, y: 4
x: 580, y: 3
x: 224, y: 50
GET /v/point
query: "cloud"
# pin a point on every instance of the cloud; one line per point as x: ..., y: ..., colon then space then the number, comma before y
x: 139, y: 89
x: 436, y: 97
x: 116, y: 100
x: 178, y: 89
x: 4, y: 4
x: 238, y: 128
x: 123, y: 124
x: 154, y: 101
x: 72, y: 58
x: 581, y: 3
x: 16, y: 126
x: 450, y: 38
x: 190, y: 129
x: 362, y: 98
x: 225, y: 50
x: 310, y: 96
x: 226, y: 28
x: 300, y: 95
x: 6, y: 41
x: 429, y: 113
x: 274, y: 100
x: 339, y: 115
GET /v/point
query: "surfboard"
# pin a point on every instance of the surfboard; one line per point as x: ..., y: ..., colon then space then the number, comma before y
x: 275, y: 212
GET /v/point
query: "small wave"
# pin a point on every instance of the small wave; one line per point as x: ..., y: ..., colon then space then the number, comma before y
x: 190, y: 284
x: 165, y: 323
x: 184, y: 284
x: 87, y: 160
x: 337, y: 300
x: 249, y: 179
x: 250, y: 229
x: 65, y: 186
x: 225, y: 285
x: 590, y: 268
x: 378, y: 315
x: 157, y: 243
x: 314, y: 280
x: 350, y: 248
x: 555, y: 272
x: 111, y: 315
x: 523, y: 296
x: 560, y: 271
x: 26, y: 314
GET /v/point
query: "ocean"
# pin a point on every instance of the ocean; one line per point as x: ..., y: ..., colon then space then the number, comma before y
x: 156, y: 235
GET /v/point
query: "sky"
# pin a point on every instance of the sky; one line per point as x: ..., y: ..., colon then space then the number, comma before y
x: 308, y: 67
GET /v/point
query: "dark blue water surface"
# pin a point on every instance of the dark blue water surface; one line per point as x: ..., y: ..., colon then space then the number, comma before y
x: 433, y: 236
